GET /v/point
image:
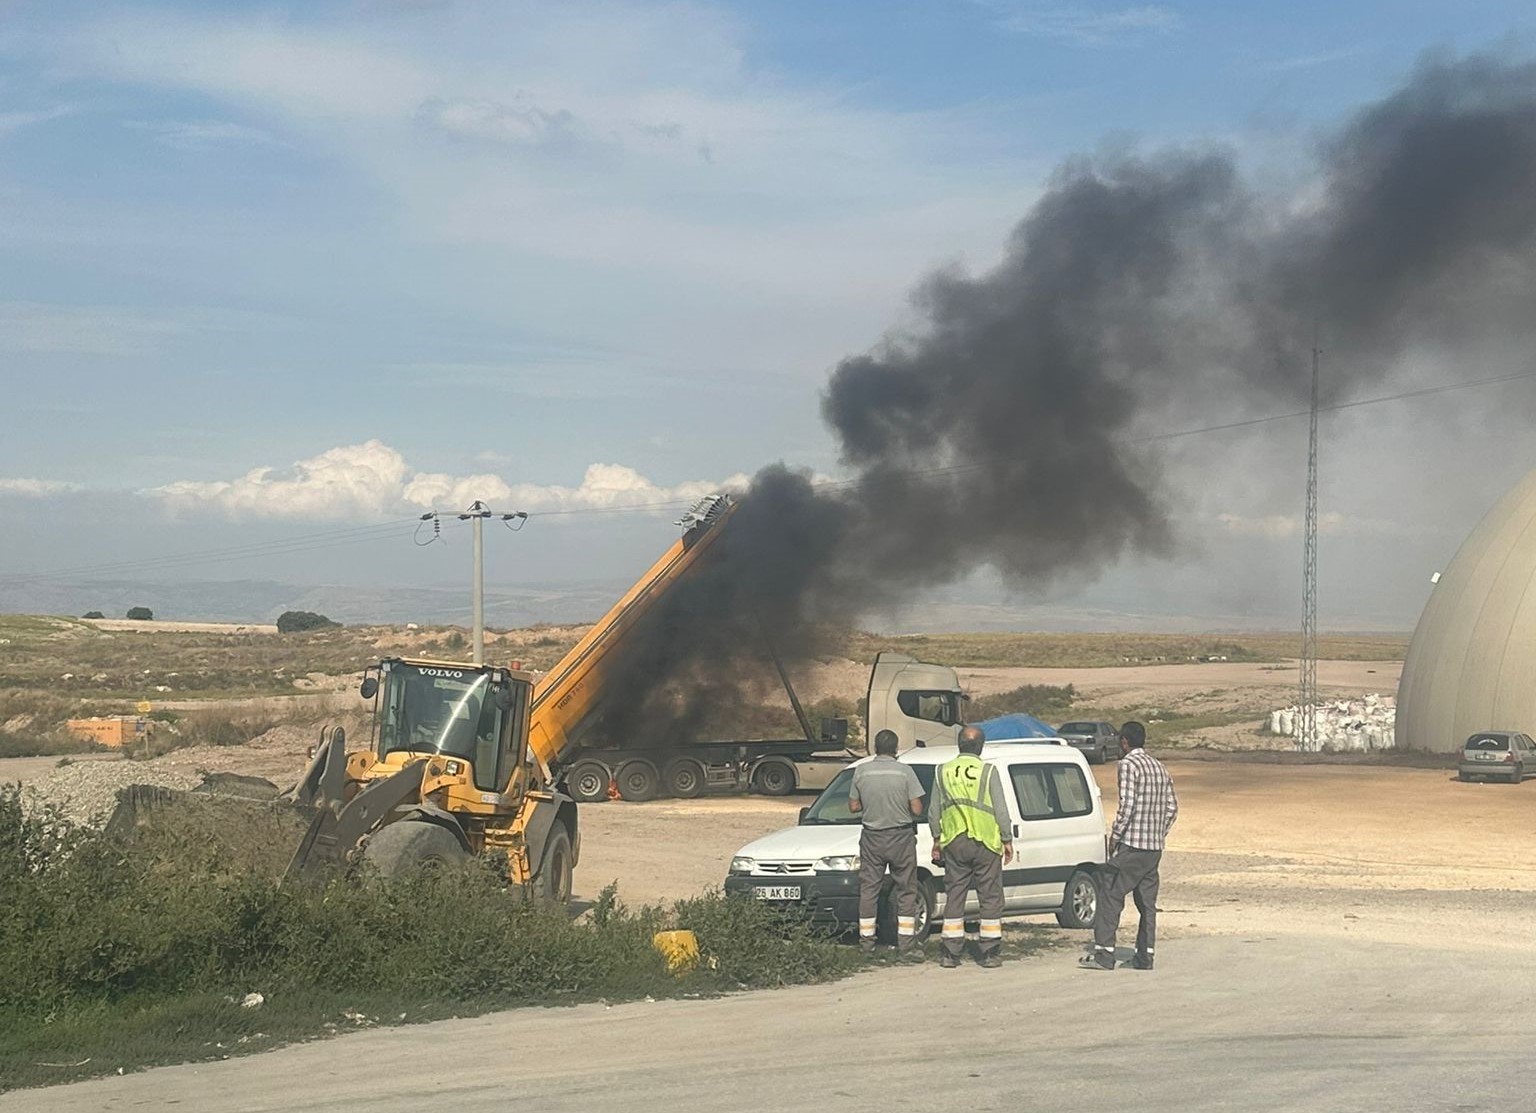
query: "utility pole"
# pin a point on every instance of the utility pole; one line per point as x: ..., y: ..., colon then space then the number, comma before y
x: 1306, y: 731
x: 476, y: 515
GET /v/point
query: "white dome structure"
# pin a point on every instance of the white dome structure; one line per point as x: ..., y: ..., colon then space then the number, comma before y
x: 1472, y: 663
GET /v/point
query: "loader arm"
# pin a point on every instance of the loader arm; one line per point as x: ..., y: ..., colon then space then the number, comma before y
x: 567, y: 700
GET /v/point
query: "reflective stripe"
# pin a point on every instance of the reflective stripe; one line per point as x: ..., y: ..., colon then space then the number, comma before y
x: 1108, y: 950
x: 866, y: 929
x: 954, y: 929
x: 991, y: 929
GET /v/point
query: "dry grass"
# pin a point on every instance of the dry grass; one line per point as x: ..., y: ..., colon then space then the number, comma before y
x: 1105, y: 650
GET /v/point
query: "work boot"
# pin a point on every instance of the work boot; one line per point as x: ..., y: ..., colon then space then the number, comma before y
x: 911, y: 954
x: 991, y: 962
x: 1142, y: 961
x: 867, y: 946
x: 948, y: 961
x: 1097, y: 960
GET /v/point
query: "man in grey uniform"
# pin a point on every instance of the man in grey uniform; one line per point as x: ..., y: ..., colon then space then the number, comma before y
x: 888, y: 798
x: 973, y: 838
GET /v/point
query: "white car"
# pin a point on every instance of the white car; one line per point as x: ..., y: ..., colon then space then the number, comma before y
x: 1058, y: 844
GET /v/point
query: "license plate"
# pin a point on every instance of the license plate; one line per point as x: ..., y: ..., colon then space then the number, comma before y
x: 776, y: 892
x: 1488, y: 757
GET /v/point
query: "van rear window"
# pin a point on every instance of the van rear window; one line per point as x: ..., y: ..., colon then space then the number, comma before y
x: 1487, y: 742
x: 1050, y: 791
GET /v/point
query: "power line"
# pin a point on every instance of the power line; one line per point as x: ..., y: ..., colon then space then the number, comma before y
x: 323, y: 539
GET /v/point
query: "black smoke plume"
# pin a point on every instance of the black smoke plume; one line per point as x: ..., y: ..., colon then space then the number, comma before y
x: 1006, y: 425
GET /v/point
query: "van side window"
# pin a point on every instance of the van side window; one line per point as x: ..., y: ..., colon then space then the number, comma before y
x: 1050, y: 791
x: 936, y: 707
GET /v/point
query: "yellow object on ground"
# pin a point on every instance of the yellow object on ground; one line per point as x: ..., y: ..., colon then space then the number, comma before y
x: 679, y: 948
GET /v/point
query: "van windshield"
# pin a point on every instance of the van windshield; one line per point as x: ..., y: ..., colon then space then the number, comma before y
x: 832, y: 805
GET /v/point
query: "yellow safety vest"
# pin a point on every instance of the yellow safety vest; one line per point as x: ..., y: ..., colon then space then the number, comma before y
x: 968, y: 803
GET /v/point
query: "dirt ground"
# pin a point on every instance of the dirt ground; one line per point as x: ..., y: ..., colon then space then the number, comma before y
x: 1381, y: 853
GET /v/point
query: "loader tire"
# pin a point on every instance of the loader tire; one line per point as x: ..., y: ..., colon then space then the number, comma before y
x: 408, y: 846
x: 553, y: 883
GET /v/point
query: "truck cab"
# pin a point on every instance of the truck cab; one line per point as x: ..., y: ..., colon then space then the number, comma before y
x: 922, y: 703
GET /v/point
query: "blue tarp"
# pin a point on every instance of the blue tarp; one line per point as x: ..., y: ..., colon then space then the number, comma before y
x: 1016, y: 725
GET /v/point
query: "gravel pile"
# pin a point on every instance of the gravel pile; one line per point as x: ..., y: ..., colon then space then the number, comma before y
x: 87, y: 790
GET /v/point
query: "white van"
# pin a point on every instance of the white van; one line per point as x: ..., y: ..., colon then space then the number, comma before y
x: 1058, y: 843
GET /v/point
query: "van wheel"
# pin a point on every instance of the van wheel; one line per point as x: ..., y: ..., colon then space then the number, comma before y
x: 885, y: 926
x: 684, y: 778
x: 1079, y: 902
x: 588, y: 782
x: 638, y: 780
x: 774, y: 778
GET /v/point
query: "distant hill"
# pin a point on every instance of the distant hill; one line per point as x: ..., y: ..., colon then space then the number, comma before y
x: 951, y: 609
x: 264, y: 600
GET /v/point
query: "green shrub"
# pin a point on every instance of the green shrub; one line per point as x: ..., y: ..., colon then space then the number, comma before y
x: 140, y: 614
x: 93, y: 614
x: 1044, y: 701
x: 294, y: 622
x: 88, y: 922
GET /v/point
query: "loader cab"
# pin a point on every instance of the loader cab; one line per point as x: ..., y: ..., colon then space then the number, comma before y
x: 477, y: 714
x: 922, y: 703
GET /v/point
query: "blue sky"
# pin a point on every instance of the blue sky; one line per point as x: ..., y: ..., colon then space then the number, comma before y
x: 435, y: 250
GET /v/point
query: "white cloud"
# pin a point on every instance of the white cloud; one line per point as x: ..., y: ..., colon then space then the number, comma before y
x: 195, y: 135
x: 1283, y: 526
x: 373, y: 480
x: 27, y: 326
x: 15, y: 121
x: 37, y: 488
x: 112, y: 330
x: 1083, y: 25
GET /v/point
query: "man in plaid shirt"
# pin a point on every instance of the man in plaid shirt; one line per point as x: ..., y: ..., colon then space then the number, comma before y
x: 1147, y: 809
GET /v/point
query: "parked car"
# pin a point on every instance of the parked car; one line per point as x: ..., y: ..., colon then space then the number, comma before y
x: 1058, y: 843
x: 1505, y: 754
x: 1099, y: 742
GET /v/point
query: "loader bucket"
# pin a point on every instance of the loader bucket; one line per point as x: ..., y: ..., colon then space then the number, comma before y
x: 239, y: 823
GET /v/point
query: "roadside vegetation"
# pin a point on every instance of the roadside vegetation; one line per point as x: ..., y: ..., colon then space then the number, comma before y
x: 1105, y: 650
x: 118, y: 956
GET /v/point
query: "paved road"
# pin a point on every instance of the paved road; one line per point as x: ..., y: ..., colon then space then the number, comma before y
x: 1255, y: 1024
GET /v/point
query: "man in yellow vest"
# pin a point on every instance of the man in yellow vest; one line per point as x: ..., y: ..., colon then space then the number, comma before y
x: 973, y: 840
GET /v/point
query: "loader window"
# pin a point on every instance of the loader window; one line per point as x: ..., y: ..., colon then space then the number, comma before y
x: 445, y: 710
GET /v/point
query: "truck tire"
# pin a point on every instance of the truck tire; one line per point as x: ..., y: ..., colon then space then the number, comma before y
x: 684, y: 778
x: 588, y: 782
x: 1079, y: 901
x: 774, y: 778
x: 409, y: 845
x: 552, y: 883
x: 638, y: 780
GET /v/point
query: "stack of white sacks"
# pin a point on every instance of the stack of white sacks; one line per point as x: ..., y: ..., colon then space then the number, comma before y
x: 1345, y: 725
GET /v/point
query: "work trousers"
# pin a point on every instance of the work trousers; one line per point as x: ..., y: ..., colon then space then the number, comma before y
x: 894, y: 848
x: 1128, y: 872
x: 970, y: 865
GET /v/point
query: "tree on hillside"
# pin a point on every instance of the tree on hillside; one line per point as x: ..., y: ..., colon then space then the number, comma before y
x: 141, y: 614
x: 291, y: 622
x: 93, y: 614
